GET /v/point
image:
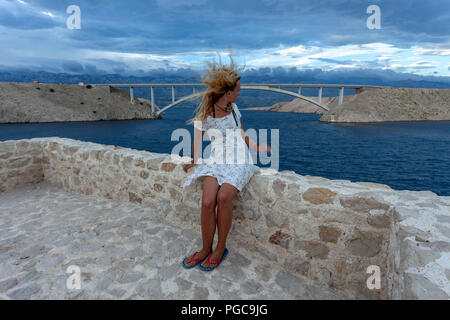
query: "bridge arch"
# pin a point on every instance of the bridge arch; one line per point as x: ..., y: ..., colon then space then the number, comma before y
x: 245, y: 87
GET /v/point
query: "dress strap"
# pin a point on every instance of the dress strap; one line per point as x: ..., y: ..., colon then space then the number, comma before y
x: 234, y: 115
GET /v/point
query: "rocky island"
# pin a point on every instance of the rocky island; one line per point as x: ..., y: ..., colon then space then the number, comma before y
x: 41, y: 102
x: 376, y: 105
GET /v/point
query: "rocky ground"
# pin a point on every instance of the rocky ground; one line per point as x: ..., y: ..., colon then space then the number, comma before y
x: 123, y: 251
x: 377, y: 105
x: 28, y: 102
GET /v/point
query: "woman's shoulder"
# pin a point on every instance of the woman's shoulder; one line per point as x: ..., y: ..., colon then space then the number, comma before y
x: 236, y: 109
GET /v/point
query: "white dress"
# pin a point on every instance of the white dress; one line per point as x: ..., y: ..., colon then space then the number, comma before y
x: 234, y: 165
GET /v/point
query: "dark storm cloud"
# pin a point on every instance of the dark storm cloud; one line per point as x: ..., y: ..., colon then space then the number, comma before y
x: 175, y: 28
x: 346, y: 62
x: 178, y: 26
x: 72, y: 67
x: 25, y: 20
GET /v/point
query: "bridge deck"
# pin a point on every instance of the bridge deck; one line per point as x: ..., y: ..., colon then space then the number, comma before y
x: 275, y: 87
x: 283, y: 85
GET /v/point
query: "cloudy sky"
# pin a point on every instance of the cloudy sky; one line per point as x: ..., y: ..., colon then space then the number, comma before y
x: 135, y: 36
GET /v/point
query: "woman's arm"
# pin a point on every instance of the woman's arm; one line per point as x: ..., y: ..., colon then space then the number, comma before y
x: 252, y: 144
x: 195, y: 149
x: 198, y: 137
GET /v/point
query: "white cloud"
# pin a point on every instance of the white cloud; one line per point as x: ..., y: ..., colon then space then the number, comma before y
x: 340, y: 66
x: 298, y: 50
x: 437, y: 52
x: 48, y: 13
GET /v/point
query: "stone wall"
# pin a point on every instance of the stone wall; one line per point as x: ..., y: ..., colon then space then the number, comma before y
x: 20, y: 163
x: 329, y: 231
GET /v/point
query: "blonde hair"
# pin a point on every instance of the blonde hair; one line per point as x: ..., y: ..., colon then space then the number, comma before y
x: 219, y: 79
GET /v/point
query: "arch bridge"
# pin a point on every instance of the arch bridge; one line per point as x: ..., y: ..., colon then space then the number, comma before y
x: 256, y: 86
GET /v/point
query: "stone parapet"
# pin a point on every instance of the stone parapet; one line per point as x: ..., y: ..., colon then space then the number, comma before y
x: 329, y: 231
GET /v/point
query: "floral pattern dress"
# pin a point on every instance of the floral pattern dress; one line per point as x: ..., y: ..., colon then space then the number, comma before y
x: 230, y: 160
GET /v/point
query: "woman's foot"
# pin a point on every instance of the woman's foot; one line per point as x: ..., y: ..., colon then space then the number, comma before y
x: 215, y: 256
x: 194, y: 258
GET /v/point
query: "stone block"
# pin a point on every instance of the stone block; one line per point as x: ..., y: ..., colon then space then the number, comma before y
x: 154, y: 163
x: 174, y: 194
x: 292, y: 284
x: 275, y: 218
x: 5, y: 155
x: 414, y: 254
x: 280, y: 238
x: 293, y: 192
x: 133, y: 197
x: 168, y: 166
x: 379, y: 218
x: 251, y: 211
x: 53, y: 145
x: 374, y: 185
x: 24, y: 293
x: 144, y: 174
x: 323, y: 275
x: 84, y: 155
x: 164, y: 206
x: 297, y: 264
x: 8, y: 146
x: 364, y: 243
x: 319, y: 195
x: 418, y: 287
x: 329, y: 234
x: 22, y: 144
x: 278, y: 187
x: 185, y: 212
x: 286, y: 207
x: 157, y: 187
x: 18, y: 162
x: 126, y: 162
x: 314, y: 249
x: 139, y: 163
x: 70, y: 150
x: 362, y: 204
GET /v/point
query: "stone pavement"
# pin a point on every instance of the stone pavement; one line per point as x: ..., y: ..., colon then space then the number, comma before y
x: 123, y: 251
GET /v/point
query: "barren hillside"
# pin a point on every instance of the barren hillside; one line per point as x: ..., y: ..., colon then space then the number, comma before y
x: 377, y: 105
x: 297, y: 105
x: 392, y: 104
x: 29, y: 102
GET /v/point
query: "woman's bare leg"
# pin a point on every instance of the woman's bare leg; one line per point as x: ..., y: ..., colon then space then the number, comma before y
x: 208, y: 217
x: 225, y: 196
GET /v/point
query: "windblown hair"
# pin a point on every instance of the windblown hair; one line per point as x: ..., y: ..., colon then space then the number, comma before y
x: 219, y: 79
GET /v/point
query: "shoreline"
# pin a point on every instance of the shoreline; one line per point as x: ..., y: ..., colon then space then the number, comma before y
x: 342, y: 122
x: 373, y: 105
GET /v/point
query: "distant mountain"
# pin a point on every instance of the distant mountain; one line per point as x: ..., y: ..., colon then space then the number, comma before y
x: 419, y: 84
x: 248, y: 98
x: 65, y: 78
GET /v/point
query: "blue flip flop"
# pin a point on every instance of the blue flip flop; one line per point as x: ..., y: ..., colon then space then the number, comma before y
x: 225, y: 253
x: 192, y: 260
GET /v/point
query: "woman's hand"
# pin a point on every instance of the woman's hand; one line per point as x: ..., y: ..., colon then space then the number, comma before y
x: 264, y: 148
x: 187, y: 166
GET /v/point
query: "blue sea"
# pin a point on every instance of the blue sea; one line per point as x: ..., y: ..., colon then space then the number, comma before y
x: 403, y: 155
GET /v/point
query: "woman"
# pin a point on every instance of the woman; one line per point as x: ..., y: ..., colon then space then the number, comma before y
x: 223, y: 178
